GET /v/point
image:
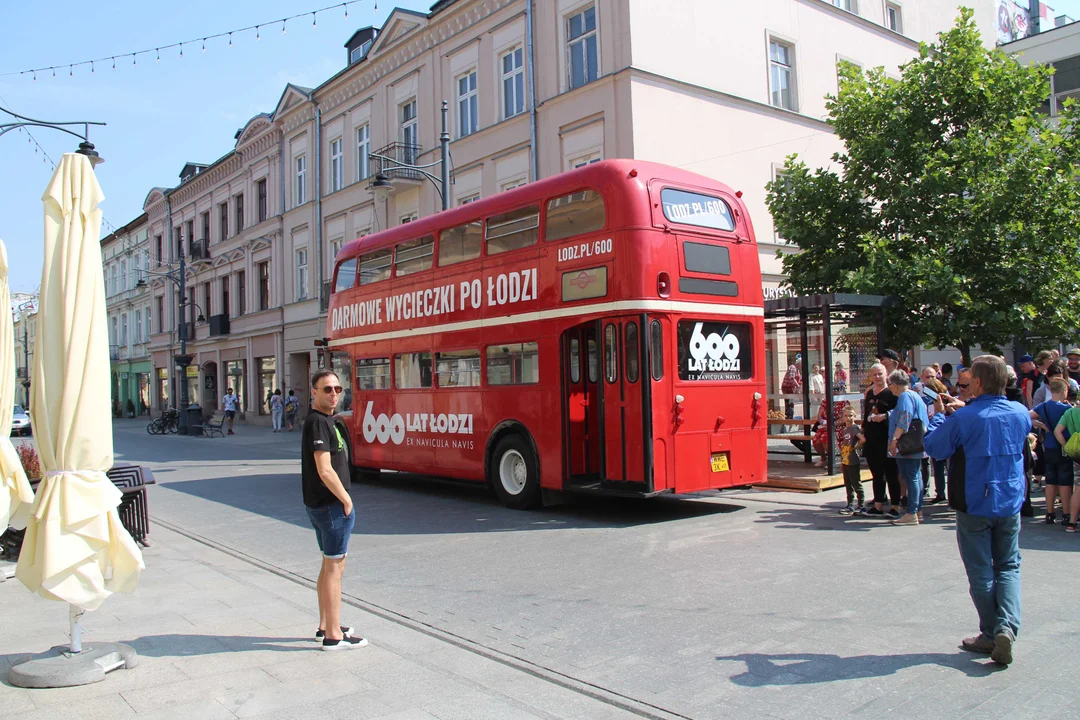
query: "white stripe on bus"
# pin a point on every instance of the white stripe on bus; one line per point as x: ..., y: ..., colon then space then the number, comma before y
x: 612, y: 307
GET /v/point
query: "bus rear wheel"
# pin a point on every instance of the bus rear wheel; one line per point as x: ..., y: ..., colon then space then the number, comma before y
x: 514, y: 473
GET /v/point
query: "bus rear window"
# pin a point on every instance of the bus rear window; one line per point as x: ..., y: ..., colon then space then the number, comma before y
x: 711, y: 259
x: 689, y: 208
x: 513, y: 230
x: 413, y: 256
x: 374, y: 266
x: 574, y: 214
x: 714, y: 350
x: 460, y: 243
x: 346, y: 275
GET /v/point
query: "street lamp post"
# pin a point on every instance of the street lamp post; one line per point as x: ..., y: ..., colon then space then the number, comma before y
x: 26, y: 350
x: 183, y: 360
x: 382, y: 184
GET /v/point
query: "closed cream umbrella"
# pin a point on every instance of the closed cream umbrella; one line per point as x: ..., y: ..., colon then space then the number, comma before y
x: 76, y: 549
x: 15, y: 493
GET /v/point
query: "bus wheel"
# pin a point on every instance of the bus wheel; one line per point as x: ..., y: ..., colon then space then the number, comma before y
x: 514, y: 474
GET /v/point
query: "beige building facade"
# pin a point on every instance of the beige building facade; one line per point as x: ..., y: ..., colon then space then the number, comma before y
x: 724, y: 89
x: 125, y: 255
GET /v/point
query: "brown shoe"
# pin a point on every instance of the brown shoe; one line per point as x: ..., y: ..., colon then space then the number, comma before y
x: 1002, y: 652
x: 907, y: 519
x: 978, y: 644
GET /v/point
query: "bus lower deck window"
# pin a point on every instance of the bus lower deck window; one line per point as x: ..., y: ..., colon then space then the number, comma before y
x: 457, y: 368
x: 412, y: 370
x: 373, y: 374
x: 513, y: 364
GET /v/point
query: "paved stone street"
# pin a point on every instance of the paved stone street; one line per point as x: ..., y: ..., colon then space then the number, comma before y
x: 748, y: 604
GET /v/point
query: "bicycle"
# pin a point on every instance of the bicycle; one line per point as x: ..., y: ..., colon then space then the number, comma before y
x: 169, y: 422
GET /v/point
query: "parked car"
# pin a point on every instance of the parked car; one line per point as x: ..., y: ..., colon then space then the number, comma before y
x: 20, y: 422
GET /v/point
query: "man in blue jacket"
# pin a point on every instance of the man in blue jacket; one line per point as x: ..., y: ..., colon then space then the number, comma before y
x: 991, y: 431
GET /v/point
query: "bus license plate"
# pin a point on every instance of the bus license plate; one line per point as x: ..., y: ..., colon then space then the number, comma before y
x: 720, y: 462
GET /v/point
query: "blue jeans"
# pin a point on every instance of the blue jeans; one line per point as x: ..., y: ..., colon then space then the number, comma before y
x: 911, y: 473
x: 990, y: 549
x: 332, y: 528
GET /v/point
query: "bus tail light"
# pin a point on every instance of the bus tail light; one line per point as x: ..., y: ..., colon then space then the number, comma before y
x: 679, y: 419
x: 663, y: 285
x: 755, y: 409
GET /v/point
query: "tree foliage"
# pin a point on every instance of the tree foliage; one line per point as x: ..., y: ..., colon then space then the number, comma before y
x: 954, y: 193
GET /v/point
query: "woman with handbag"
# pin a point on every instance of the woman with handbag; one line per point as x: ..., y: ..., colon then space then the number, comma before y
x: 907, y: 426
x: 877, y: 402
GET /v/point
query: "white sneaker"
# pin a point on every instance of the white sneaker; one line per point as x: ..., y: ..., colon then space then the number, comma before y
x: 346, y: 643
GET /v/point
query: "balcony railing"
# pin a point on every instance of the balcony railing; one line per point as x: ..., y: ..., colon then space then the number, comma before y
x: 200, y: 250
x: 403, y: 153
x: 190, y: 327
x: 219, y: 325
x: 324, y: 297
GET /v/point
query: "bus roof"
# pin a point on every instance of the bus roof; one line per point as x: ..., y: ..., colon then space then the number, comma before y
x: 611, y: 177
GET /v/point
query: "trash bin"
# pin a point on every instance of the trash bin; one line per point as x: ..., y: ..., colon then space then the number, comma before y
x: 194, y: 418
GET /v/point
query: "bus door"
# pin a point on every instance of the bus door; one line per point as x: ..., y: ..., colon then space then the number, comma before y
x: 624, y: 385
x: 581, y: 374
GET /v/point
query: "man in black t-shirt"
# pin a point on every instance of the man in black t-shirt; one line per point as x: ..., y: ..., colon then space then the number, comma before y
x: 324, y: 471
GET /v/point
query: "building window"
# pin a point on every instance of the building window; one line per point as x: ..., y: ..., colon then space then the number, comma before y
x: 852, y: 6
x: 894, y: 20
x: 123, y: 275
x: 189, y: 234
x: 582, y: 161
x: 148, y: 322
x: 513, y: 83
x: 301, y: 180
x: 123, y: 328
x: 206, y: 228
x: 301, y: 274
x: 239, y: 213
x: 337, y: 166
x: 467, y: 104
x: 160, y: 248
x: 264, y: 286
x: 241, y: 292
x: 114, y: 333
x: 137, y: 329
x: 223, y: 221
x: 782, y: 74
x: 260, y: 193
x: 410, y: 217
x: 581, y: 41
x: 206, y: 303
x: 225, y: 304
x: 511, y: 184
x: 363, y: 148
x: 161, y: 313
x: 469, y: 199
x: 409, y: 132
x: 112, y: 284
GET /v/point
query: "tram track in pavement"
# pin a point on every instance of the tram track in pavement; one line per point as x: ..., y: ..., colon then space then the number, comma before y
x: 600, y: 693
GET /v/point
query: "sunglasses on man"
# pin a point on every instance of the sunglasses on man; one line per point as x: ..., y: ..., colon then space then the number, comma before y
x: 333, y: 389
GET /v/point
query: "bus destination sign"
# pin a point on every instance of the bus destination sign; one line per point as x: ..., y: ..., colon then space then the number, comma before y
x: 506, y: 288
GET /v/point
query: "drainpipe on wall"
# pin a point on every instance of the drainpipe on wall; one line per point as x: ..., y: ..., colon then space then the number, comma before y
x: 532, y: 90
x: 318, y: 202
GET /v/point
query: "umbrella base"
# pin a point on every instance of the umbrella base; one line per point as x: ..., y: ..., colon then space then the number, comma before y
x: 59, y: 668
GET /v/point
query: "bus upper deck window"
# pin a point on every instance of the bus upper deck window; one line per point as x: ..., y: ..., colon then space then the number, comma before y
x: 374, y: 266
x: 574, y: 214
x: 513, y: 230
x: 413, y: 256
x: 460, y: 243
x: 346, y: 275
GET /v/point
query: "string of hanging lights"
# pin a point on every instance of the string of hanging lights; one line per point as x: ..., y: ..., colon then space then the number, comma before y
x: 133, y: 55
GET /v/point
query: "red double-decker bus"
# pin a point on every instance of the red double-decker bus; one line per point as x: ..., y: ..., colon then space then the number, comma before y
x: 597, y: 331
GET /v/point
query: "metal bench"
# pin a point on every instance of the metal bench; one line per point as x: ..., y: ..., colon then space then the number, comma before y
x: 208, y: 427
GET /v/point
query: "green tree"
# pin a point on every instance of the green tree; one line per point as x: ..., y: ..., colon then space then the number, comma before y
x: 954, y: 193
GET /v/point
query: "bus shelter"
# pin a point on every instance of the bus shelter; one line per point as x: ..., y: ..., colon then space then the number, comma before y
x: 839, y: 333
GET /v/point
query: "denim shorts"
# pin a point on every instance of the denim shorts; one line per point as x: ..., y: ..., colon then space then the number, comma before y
x: 332, y: 528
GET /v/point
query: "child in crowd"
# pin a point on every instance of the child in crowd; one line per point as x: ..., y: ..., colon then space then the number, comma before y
x: 852, y: 440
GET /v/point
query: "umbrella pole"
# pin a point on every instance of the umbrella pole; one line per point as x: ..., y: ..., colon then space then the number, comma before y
x: 75, y: 614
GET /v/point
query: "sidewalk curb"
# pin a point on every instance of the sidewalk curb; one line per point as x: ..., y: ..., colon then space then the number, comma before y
x: 627, y: 703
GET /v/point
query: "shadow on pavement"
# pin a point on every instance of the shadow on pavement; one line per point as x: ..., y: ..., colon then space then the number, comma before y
x: 810, y: 668
x: 828, y: 518
x: 177, y: 646
x: 401, y: 504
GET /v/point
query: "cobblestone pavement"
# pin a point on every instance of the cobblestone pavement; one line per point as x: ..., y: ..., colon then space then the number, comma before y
x: 746, y: 604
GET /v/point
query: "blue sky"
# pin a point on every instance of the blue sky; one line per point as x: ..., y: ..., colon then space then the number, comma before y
x: 159, y: 114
